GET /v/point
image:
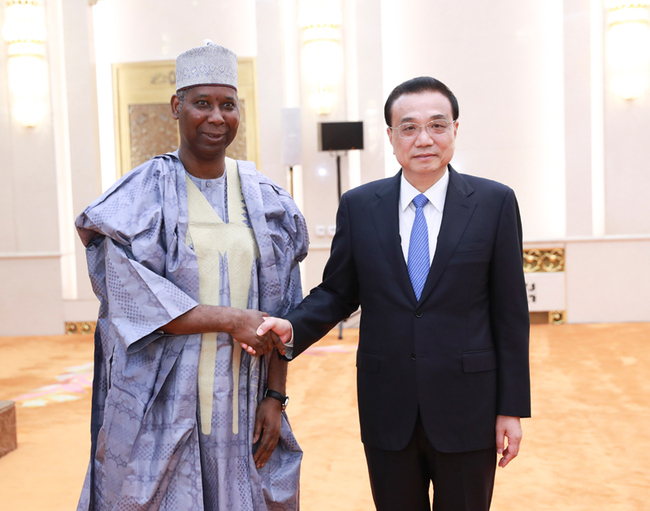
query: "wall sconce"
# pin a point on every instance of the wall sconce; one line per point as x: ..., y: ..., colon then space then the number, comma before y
x: 628, y: 47
x: 322, y: 59
x: 24, y: 30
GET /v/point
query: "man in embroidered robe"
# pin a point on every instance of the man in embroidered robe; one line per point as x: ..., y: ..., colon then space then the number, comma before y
x: 184, y: 253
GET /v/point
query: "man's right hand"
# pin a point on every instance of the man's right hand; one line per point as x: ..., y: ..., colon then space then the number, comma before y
x: 247, y: 333
x: 280, y: 326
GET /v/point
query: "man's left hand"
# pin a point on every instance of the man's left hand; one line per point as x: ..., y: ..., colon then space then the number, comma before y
x: 268, y: 420
x: 510, y: 428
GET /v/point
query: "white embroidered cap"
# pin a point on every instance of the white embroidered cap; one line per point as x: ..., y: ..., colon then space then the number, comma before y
x: 210, y: 64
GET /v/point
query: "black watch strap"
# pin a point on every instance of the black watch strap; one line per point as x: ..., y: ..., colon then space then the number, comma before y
x: 276, y: 395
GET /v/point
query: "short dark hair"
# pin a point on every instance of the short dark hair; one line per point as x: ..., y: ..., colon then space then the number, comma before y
x: 416, y: 85
x: 182, y: 94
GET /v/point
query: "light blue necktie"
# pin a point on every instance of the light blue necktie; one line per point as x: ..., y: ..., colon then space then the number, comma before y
x: 418, y: 261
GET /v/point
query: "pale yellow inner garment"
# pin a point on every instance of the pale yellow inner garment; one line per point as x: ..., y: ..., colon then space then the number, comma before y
x: 235, y: 243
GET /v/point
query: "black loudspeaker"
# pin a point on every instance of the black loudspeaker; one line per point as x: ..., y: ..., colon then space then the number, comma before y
x: 340, y: 136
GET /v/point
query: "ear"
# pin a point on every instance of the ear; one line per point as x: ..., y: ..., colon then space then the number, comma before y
x: 174, y: 104
x: 391, y: 134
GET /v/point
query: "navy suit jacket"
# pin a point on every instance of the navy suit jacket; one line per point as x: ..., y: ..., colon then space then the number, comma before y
x: 459, y: 355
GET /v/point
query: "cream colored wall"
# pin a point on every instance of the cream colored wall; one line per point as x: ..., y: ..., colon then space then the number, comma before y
x: 74, y: 102
x: 161, y: 29
x: 577, y: 118
x: 360, y: 98
x: 504, y: 62
x: 607, y: 279
x: 627, y: 165
x: 270, y: 74
x: 30, y: 275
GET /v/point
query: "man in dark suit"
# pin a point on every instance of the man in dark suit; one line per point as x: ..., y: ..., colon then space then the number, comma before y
x: 434, y: 259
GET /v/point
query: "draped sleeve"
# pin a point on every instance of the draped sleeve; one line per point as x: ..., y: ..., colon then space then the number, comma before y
x: 135, y: 260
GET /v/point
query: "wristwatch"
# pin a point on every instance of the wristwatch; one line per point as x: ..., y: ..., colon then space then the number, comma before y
x: 276, y: 395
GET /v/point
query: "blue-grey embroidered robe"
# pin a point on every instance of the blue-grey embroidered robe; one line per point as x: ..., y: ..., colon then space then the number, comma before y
x: 146, y: 451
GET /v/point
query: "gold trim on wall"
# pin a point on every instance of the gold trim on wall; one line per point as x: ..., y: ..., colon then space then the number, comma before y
x: 80, y: 327
x: 547, y: 317
x: 141, y: 98
x: 557, y: 317
x: 549, y: 260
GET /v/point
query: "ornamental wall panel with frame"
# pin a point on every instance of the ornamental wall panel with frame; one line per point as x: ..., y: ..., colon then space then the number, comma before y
x: 144, y: 126
x: 545, y: 284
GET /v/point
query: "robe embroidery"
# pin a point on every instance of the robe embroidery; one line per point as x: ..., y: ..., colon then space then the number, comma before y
x: 218, y: 243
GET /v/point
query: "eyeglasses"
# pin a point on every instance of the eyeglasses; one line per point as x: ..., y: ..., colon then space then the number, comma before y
x: 412, y: 130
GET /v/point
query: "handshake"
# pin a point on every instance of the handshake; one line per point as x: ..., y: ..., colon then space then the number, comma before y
x: 271, y: 333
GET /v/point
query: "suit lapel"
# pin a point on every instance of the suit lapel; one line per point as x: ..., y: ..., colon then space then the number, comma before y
x: 459, y: 207
x: 385, y: 214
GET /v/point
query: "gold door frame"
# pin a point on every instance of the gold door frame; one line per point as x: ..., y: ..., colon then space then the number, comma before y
x: 149, y: 86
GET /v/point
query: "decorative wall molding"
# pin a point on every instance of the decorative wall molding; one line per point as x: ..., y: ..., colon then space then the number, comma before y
x: 30, y: 255
x: 548, y: 260
x: 557, y: 317
x: 80, y: 327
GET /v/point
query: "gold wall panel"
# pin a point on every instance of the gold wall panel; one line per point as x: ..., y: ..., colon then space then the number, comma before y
x: 144, y: 126
x: 544, y: 260
x: 152, y: 130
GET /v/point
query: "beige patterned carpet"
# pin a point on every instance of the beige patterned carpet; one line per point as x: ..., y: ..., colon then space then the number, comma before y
x: 587, y: 447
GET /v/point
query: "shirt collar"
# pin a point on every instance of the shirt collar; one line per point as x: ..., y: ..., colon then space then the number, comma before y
x: 436, y: 194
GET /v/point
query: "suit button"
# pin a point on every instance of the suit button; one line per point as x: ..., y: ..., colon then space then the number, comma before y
x: 418, y: 313
x: 413, y: 356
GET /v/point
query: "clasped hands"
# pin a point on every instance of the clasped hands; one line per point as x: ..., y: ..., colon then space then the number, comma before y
x: 251, y: 328
x: 277, y: 331
x: 258, y: 333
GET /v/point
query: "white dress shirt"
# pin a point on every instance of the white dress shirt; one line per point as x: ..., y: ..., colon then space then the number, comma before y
x: 432, y: 212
